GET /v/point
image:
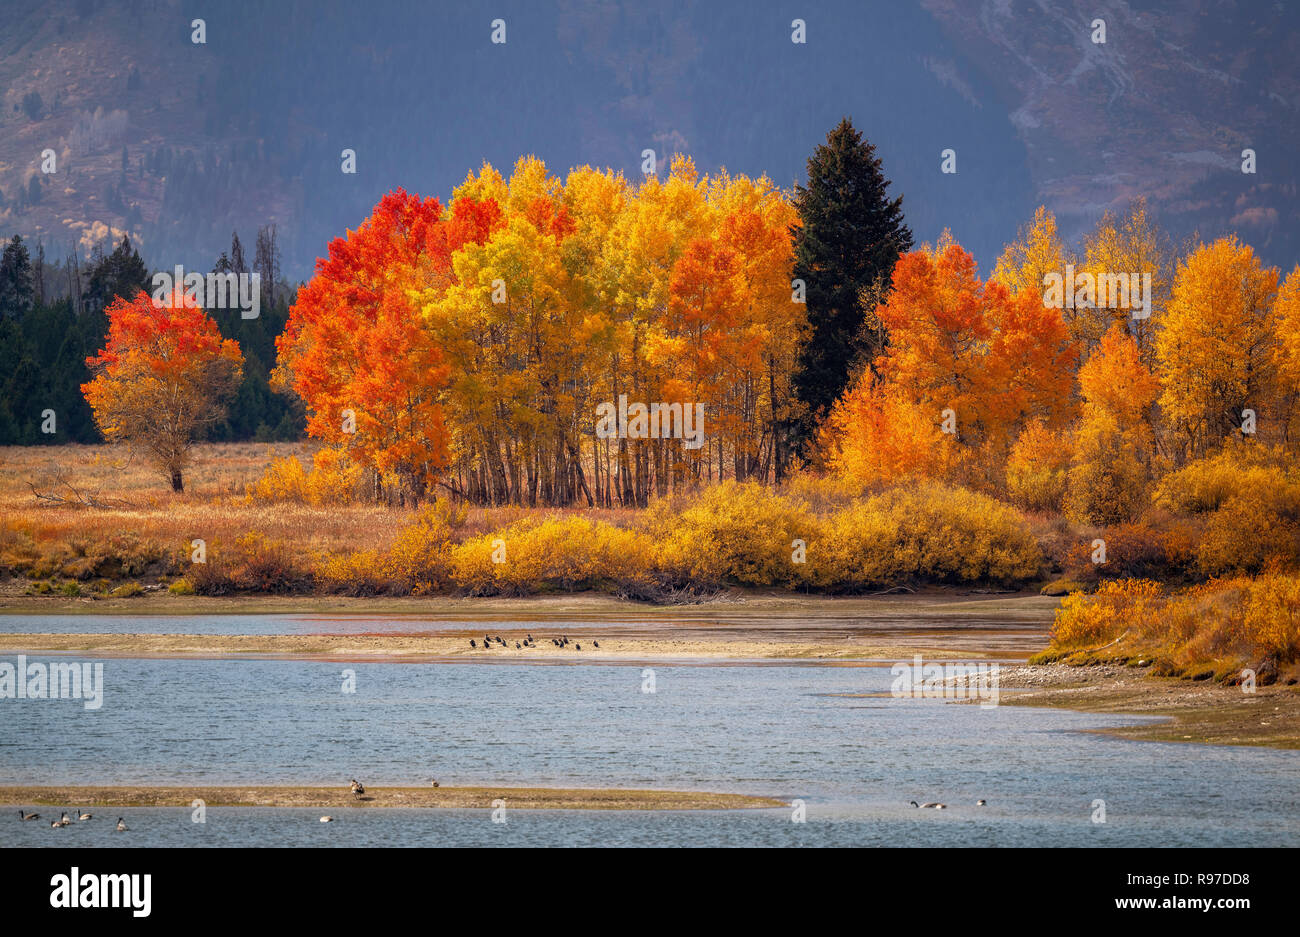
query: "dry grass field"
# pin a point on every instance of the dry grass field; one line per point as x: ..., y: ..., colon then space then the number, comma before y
x: 131, y: 500
x: 63, y: 504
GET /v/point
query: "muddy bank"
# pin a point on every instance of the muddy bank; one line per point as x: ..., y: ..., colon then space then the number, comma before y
x: 520, y: 798
x: 1194, y: 711
x: 747, y: 604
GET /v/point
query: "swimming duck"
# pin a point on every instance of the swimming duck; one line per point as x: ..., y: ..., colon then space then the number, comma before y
x: 121, y: 826
x: 28, y: 816
x: 935, y: 805
x: 85, y: 816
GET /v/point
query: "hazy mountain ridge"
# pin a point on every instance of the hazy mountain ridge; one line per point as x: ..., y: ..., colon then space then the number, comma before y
x: 1163, y: 109
x: 247, y: 129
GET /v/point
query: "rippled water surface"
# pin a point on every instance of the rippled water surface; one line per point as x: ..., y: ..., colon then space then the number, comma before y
x: 782, y: 731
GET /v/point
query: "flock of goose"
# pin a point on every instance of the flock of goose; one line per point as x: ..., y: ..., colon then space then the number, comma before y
x: 528, y: 642
x: 65, y: 820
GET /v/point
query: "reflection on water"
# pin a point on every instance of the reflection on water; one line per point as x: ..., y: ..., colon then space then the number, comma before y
x: 784, y: 731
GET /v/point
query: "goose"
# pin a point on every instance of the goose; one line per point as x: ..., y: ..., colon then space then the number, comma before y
x: 516, y: 645
x: 530, y: 639
x: 28, y: 816
x: 434, y: 783
x: 85, y: 816
x: 121, y: 825
x: 63, y: 820
x: 935, y: 805
x: 326, y: 819
x: 471, y: 643
x: 55, y: 825
x: 595, y: 644
x: 357, y: 788
x: 979, y: 803
x: 578, y: 646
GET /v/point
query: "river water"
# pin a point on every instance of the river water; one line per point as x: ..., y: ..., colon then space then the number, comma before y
x: 829, y: 736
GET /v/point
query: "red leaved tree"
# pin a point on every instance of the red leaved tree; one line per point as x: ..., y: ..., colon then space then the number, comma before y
x: 356, y: 351
x: 163, y: 375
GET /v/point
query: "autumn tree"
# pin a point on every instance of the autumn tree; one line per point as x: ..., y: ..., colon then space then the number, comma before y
x: 978, y: 362
x: 359, y: 355
x: 1110, y: 468
x: 1286, y: 321
x: 1216, y: 350
x: 1128, y: 243
x: 1036, y: 252
x: 162, y: 377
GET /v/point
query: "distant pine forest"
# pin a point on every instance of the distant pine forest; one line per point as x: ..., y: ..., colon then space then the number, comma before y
x: 52, y: 319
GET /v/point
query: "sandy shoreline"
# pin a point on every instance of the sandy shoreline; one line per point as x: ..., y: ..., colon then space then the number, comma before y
x: 451, y: 647
x: 752, y: 626
x: 519, y: 798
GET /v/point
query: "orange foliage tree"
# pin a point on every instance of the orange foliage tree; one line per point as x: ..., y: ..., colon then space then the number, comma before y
x: 969, y: 365
x: 359, y: 355
x: 163, y: 374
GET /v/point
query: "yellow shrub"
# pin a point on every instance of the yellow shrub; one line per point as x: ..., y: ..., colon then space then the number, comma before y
x: 333, y: 479
x: 419, y: 560
x: 359, y: 573
x: 284, y: 480
x: 734, y: 532
x: 554, y: 554
x: 1271, y: 616
x: 1225, y: 624
x: 928, y: 532
x: 1207, y: 484
x: 1253, y: 531
x: 1089, y: 621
